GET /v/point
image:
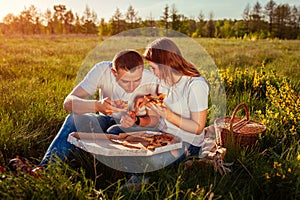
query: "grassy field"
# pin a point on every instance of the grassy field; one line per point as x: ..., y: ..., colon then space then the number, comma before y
x: 38, y: 72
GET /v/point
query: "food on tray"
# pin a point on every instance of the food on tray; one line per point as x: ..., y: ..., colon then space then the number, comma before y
x: 121, y: 104
x: 143, y: 140
x: 156, y: 99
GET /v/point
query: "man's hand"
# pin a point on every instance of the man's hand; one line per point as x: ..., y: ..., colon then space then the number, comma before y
x: 107, y: 106
x: 128, y: 119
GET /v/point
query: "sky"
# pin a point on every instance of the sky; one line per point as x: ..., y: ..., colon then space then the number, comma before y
x: 146, y: 9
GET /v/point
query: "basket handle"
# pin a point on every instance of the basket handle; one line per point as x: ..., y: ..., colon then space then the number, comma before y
x: 242, y: 122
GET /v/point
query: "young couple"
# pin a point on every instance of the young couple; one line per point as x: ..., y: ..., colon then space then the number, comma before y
x: 183, y: 113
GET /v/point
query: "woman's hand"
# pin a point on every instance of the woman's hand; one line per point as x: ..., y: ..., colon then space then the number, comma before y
x: 194, y: 124
x: 161, y: 109
x: 139, y: 102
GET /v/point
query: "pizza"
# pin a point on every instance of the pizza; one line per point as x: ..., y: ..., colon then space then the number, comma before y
x: 156, y: 99
x: 143, y: 140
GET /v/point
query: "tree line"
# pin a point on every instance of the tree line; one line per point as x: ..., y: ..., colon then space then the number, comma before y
x: 269, y: 21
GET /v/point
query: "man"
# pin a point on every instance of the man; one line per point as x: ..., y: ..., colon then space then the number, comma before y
x: 118, y: 82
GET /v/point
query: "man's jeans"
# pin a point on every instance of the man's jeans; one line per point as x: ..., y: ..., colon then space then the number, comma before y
x: 91, y: 123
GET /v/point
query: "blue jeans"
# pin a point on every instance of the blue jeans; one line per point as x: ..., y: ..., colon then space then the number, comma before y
x: 167, y: 159
x: 61, y: 148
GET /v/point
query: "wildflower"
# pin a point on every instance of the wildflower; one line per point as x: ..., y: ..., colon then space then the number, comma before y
x: 276, y: 165
x: 258, y: 112
x: 245, y: 83
x: 290, y: 170
x: 277, y: 174
x: 298, y: 158
x: 267, y: 176
x: 265, y: 121
x: 293, y: 129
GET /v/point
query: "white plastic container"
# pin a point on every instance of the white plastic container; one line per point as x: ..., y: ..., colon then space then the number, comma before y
x: 100, y: 144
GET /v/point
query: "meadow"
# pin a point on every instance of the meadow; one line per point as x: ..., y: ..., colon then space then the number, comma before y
x: 37, y: 72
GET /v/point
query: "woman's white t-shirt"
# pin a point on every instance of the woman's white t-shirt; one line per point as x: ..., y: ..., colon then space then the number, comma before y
x: 189, y: 94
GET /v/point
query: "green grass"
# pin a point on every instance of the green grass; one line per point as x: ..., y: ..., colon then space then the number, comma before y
x: 38, y: 72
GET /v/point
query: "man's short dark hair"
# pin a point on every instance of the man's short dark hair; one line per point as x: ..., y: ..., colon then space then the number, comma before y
x: 128, y: 60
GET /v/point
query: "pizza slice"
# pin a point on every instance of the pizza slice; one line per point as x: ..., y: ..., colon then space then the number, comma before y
x: 144, y: 141
x: 156, y: 99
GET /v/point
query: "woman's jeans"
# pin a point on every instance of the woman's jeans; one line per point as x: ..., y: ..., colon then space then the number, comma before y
x: 61, y: 148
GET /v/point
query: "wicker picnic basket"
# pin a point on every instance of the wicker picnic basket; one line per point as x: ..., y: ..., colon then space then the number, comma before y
x: 235, y: 130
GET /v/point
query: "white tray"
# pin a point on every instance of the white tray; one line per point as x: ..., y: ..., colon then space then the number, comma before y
x: 98, y: 143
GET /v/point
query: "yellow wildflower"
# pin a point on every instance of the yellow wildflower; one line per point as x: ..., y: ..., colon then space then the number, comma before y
x: 267, y: 176
x: 276, y: 165
x: 292, y: 129
x: 277, y: 174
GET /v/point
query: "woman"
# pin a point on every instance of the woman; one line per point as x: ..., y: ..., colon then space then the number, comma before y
x: 184, y: 110
x: 185, y: 106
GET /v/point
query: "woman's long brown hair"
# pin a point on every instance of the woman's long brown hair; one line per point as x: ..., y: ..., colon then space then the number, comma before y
x: 167, y: 55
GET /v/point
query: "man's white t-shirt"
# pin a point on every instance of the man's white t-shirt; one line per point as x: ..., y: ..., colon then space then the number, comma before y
x: 100, y: 78
x: 190, y: 94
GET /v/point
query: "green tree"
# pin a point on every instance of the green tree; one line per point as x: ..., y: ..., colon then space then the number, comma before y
x: 69, y: 20
x: 175, y: 20
x: 49, y: 21
x: 149, y: 22
x: 103, y: 28
x: 35, y: 19
x: 25, y: 22
x: 224, y: 29
x: 9, y: 24
x: 78, y: 25
x: 89, y: 20
x: 184, y: 25
x: 246, y: 18
x: 132, y: 18
x: 117, y: 23
x: 192, y: 26
x: 200, y: 25
x: 255, y: 18
x: 210, y: 25
x: 295, y: 23
x: 282, y: 18
x: 58, y: 18
x: 269, y: 12
x: 240, y: 29
x: 165, y: 18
